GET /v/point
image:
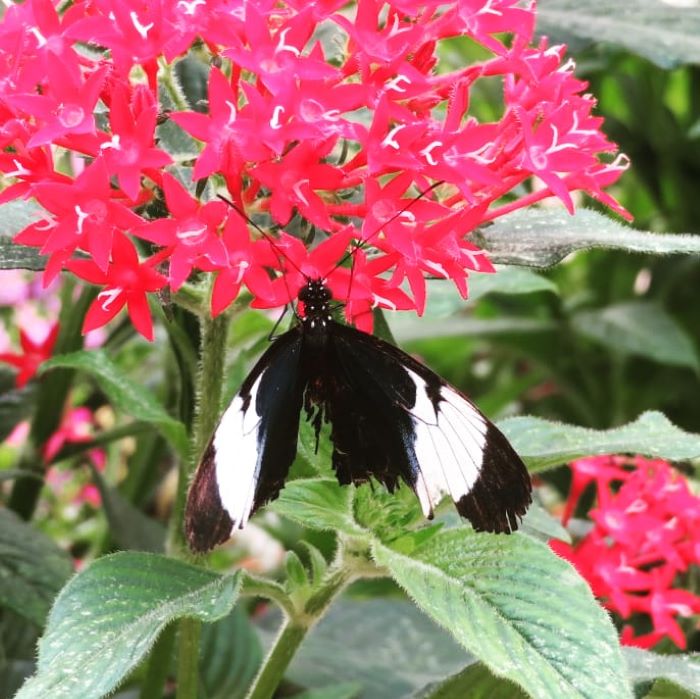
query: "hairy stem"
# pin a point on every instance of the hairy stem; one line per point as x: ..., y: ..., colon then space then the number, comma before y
x: 189, y: 631
x: 295, y: 628
x: 209, y: 383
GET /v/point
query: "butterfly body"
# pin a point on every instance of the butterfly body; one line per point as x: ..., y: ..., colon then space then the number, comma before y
x: 391, y: 419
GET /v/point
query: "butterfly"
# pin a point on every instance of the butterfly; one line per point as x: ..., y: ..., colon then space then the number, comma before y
x: 391, y: 418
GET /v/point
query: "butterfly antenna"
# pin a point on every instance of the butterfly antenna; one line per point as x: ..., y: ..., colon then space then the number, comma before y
x: 279, y: 253
x: 358, y: 245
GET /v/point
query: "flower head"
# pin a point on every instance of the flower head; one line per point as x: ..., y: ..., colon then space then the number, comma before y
x: 315, y: 118
x: 645, y: 536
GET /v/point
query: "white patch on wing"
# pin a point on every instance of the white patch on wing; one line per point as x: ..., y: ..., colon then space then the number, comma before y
x: 237, y: 457
x: 449, y: 444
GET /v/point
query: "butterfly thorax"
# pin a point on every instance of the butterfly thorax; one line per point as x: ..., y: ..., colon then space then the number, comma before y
x: 316, y: 297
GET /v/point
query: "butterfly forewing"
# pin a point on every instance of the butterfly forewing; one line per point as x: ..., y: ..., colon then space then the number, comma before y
x: 447, y: 446
x: 249, y: 455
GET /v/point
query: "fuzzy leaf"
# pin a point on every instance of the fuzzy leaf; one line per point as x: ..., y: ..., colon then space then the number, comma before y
x: 543, y: 237
x: 641, y: 328
x: 682, y: 670
x: 124, y: 393
x: 318, y: 503
x: 517, y: 607
x: 474, y: 682
x: 32, y: 568
x: 14, y: 216
x: 667, y: 33
x: 108, y: 616
x: 229, y: 656
x: 543, y: 444
x: 386, y: 645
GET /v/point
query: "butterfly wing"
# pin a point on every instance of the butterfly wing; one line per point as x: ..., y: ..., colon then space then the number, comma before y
x: 249, y: 455
x: 405, y: 421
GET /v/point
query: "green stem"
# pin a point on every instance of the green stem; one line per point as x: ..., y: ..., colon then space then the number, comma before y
x: 188, y: 658
x: 295, y: 628
x: 283, y: 649
x: 158, y: 665
x: 209, y: 385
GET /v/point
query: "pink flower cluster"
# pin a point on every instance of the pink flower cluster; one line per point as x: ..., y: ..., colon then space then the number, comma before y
x: 318, y: 116
x: 644, y: 539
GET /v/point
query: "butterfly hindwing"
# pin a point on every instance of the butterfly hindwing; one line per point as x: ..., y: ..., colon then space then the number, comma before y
x: 249, y: 455
x: 434, y: 437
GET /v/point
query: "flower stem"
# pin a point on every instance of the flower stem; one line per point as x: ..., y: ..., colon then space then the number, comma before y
x: 188, y: 658
x: 209, y: 384
x: 294, y: 630
x: 283, y: 649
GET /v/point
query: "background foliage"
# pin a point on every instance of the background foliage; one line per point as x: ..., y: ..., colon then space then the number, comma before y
x: 596, y: 340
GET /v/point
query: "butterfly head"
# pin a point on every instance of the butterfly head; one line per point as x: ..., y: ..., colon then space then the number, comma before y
x: 315, y: 296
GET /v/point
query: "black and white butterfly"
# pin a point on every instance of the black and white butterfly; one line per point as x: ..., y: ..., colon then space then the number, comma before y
x: 391, y: 419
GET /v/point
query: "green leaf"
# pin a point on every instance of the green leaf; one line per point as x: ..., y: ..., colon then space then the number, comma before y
x: 641, y: 328
x: 318, y: 503
x: 386, y: 645
x: 108, y: 616
x: 540, y: 524
x: 32, y: 568
x: 349, y: 690
x: 509, y: 280
x: 543, y: 237
x: 125, y: 394
x: 667, y: 33
x: 229, y: 656
x: 682, y: 670
x: 16, y: 404
x: 16, y: 215
x: 474, y: 682
x: 543, y: 444
x: 130, y: 528
x: 520, y: 609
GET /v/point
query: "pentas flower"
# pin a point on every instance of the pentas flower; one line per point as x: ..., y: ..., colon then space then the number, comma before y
x: 34, y: 354
x: 190, y: 232
x: 645, y: 538
x: 77, y: 426
x: 84, y: 214
x: 126, y: 282
x: 318, y: 115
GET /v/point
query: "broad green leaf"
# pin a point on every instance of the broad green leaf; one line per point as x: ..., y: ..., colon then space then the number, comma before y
x: 682, y: 670
x: 641, y: 328
x: 543, y: 444
x: 130, y: 528
x: 14, y: 216
x: 474, y: 682
x: 543, y: 237
x: 107, y: 617
x: 318, y: 503
x: 538, y: 523
x: 406, y: 328
x: 14, y: 256
x: 667, y: 33
x: 193, y: 75
x: 520, y: 609
x: 229, y: 656
x: 32, y: 568
x: 349, y: 690
x: 124, y: 393
x: 387, y: 646
x: 509, y: 280
x: 443, y: 299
